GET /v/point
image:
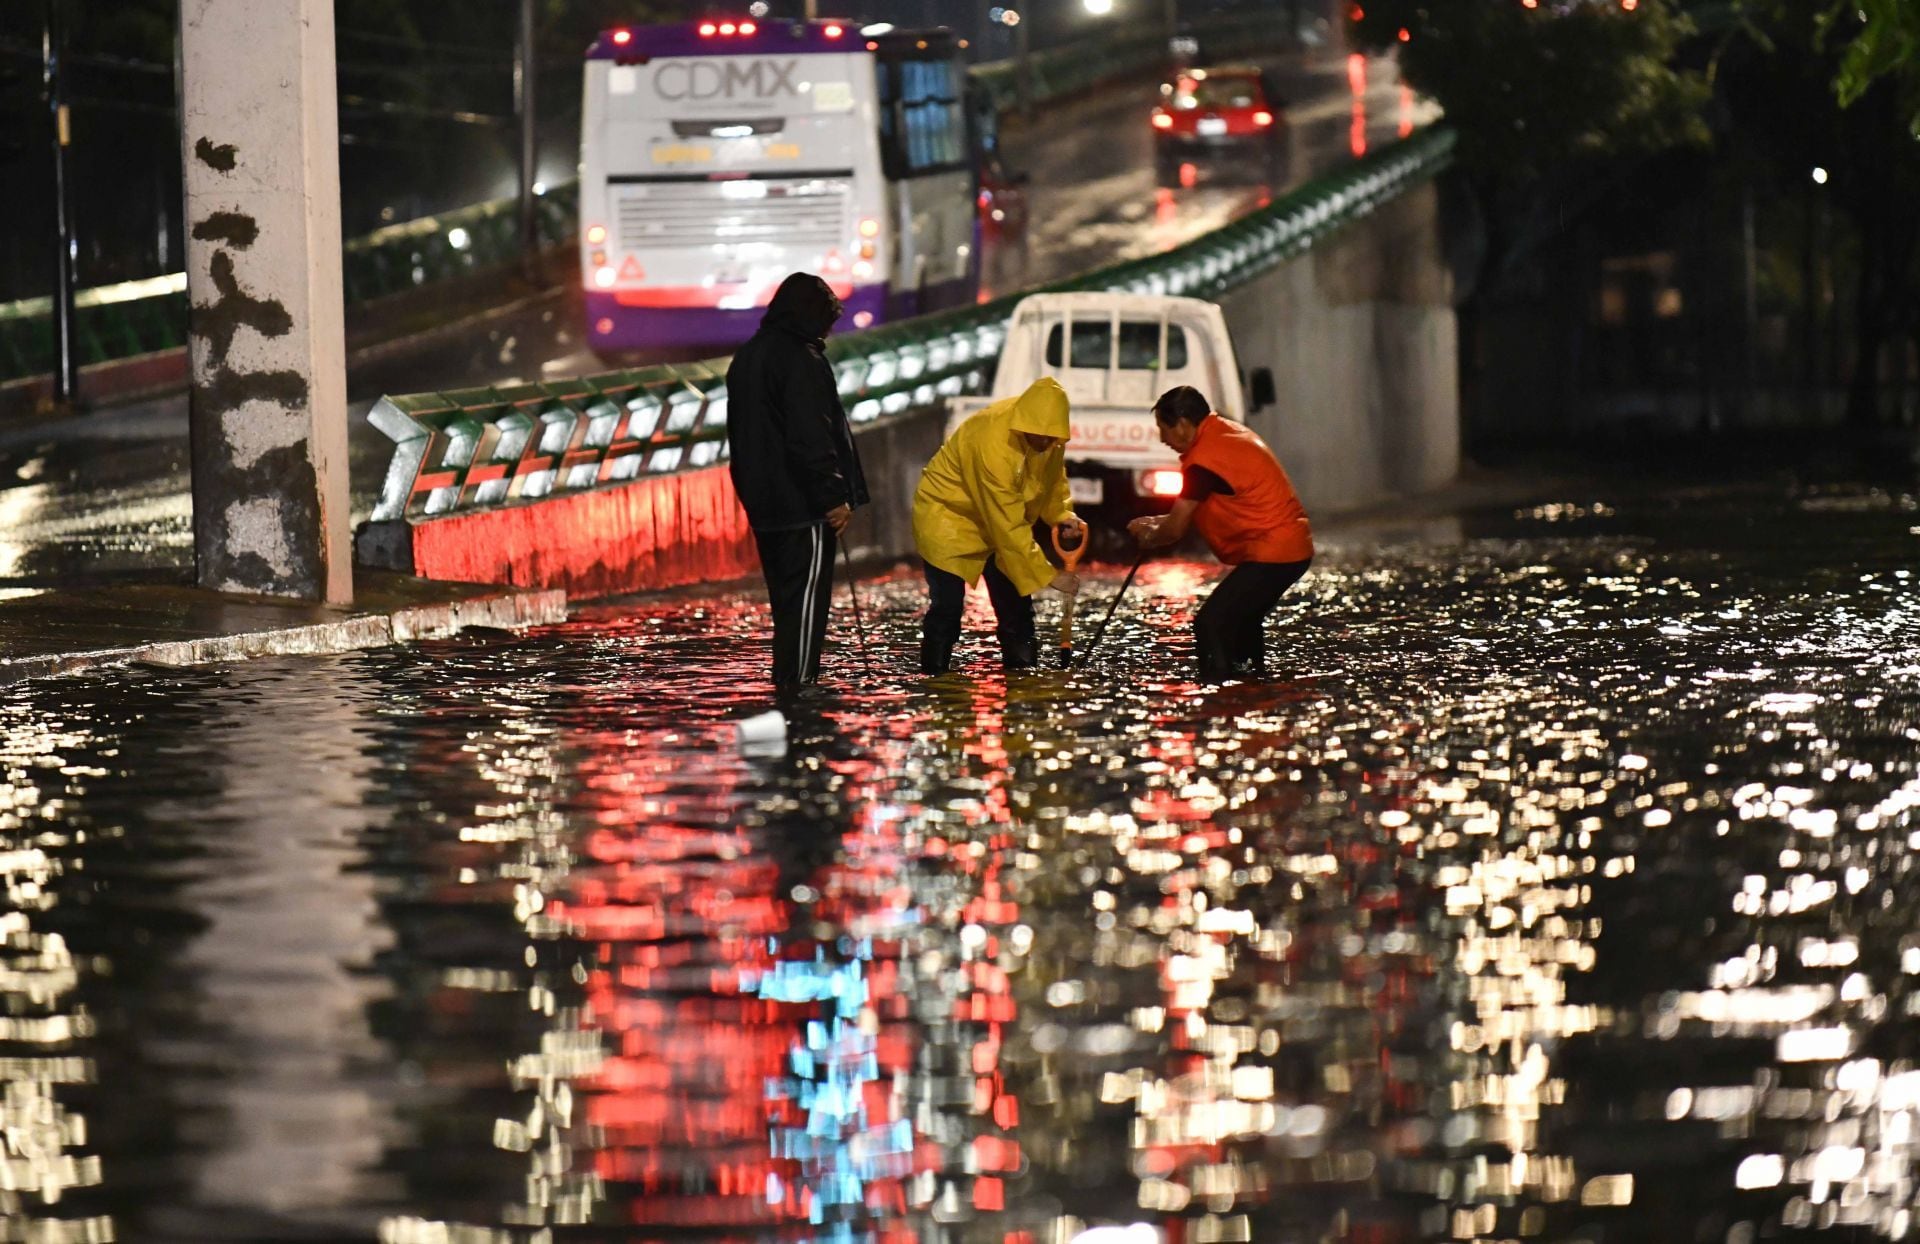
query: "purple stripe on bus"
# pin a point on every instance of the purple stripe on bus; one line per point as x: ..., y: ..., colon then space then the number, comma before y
x: 682, y: 328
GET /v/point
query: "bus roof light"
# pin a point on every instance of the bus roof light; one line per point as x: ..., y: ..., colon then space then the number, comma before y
x: 727, y: 28
x: 623, y: 37
x: 835, y: 30
x: 747, y: 28
x: 707, y: 30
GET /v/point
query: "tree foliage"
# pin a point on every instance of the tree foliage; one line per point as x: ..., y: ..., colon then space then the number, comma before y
x: 1883, y: 43
x: 1533, y: 88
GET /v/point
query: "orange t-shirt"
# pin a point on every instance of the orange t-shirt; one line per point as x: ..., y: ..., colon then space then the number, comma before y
x: 1261, y: 520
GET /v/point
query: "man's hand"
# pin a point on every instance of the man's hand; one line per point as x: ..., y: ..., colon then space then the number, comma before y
x: 1065, y: 583
x: 839, y: 516
x: 1073, y: 529
x: 1146, y: 530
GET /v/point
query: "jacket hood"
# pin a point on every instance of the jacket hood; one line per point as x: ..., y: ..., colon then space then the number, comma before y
x: 1042, y: 410
x: 804, y: 305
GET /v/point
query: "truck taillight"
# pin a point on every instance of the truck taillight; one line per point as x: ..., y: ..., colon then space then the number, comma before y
x: 1161, y: 482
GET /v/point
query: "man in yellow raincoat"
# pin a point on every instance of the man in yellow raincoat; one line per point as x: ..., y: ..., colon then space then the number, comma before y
x: 1003, y: 470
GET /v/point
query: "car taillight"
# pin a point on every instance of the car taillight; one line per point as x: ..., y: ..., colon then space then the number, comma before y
x: 1161, y: 121
x: 1162, y: 482
x: 1263, y: 118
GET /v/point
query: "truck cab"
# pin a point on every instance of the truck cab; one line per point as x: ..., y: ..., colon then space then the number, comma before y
x: 1114, y: 354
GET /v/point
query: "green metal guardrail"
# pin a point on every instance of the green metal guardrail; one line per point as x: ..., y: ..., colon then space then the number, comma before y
x: 479, y: 448
x: 140, y: 317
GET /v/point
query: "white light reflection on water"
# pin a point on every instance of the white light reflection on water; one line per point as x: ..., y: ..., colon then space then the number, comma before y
x: 1563, y: 877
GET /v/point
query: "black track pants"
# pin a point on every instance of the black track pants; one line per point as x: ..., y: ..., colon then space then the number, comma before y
x: 947, y: 598
x: 798, y: 565
x: 1229, y: 632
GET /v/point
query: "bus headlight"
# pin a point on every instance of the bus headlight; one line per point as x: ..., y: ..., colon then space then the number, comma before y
x: 596, y: 234
x: 866, y: 250
x: 869, y: 228
x: 603, y: 277
x: 862, y: 269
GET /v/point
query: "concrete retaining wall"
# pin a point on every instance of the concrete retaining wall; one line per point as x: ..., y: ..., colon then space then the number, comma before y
x: 1361, y: 337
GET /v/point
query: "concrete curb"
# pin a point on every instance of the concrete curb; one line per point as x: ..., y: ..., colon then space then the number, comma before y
x: 309, y: 630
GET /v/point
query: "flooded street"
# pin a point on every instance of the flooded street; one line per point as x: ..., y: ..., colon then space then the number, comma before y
x: 1559, y: 887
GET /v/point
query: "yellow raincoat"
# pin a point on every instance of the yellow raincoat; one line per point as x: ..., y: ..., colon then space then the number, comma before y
x: 985, y: 489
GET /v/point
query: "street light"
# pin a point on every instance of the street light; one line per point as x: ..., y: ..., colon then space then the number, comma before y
x: 1099, y: 8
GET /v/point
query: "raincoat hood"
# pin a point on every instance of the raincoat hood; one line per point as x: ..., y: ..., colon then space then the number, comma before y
x: 804, y: 305
x: 1042, y: 410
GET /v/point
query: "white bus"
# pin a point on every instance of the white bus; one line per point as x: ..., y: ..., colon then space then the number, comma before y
x: 717, y: 156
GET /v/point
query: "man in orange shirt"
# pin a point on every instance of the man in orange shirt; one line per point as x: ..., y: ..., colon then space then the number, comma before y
x: 1239, y: 497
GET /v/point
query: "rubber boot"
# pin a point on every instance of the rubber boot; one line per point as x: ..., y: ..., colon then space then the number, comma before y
x: 935, y: 657
x: 1019, y: 654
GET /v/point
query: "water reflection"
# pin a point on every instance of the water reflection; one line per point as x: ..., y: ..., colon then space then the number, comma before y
x: 1557, y: 889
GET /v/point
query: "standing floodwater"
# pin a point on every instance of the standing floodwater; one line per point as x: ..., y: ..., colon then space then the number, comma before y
x: 1560, y: 887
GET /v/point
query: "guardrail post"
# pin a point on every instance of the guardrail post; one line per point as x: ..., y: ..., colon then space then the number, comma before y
x: 268, y: 405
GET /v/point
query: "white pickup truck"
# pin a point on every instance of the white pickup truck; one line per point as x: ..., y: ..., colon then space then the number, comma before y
x: 1114, y: 354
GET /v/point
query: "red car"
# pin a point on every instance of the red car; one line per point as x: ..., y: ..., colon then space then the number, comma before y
x: 1220, y: 111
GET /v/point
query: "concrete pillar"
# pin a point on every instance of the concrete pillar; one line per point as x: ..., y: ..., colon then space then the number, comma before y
x: 268, y: 344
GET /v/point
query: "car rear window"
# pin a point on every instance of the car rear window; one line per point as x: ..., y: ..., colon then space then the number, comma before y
x: 1092, y: 344
x: 1139, y: 345
x: 1232, y: 92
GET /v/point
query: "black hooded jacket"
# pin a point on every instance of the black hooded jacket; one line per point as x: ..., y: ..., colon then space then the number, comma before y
x: 791, y: 448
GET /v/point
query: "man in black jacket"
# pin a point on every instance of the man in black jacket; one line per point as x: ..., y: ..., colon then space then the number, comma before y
x: 794, y: 465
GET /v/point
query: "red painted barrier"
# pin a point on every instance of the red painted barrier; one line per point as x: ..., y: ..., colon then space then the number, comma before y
x: 663, y: 531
